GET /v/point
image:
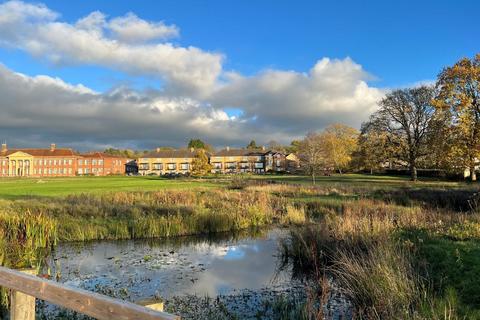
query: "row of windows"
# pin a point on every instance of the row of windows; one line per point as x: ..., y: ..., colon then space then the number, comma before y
x: 87, y: 170
x: 53, y: 171
x: 55, y: 162
x: 94, y: 162
x: 233, y: 165
x: 159, y: 166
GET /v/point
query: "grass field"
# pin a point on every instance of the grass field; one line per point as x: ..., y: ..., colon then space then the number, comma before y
x: 29, y: 187
x: 402, y: 250
x: 34, y: 187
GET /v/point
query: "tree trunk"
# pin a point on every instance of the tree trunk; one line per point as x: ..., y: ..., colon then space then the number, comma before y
x: 340, y: 171
x: 413, y: 172
x: 473, y: 174
x: 371, y: 171
x: 313, y: 177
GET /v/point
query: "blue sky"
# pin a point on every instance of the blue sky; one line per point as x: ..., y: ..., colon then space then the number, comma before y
x: 397, y: 43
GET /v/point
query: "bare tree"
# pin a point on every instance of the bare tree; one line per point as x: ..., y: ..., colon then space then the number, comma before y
x: 406, y: 116
x: 311, y: 151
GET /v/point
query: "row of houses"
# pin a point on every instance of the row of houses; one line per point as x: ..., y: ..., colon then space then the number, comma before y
x: 164, y: 162
x: 58, y: 162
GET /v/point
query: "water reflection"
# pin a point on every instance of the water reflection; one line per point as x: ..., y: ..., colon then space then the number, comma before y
x: 138, y: 269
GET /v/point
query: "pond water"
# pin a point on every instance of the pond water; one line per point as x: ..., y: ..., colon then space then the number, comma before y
x: 188, y: 273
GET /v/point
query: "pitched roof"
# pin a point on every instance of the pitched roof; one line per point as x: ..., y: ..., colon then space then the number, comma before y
x: 41, y: 152
x: 182, y: 153
x: 238, y: 153
x: 99, y: 155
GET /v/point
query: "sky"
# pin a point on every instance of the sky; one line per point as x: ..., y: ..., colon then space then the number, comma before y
x: 98, y: 74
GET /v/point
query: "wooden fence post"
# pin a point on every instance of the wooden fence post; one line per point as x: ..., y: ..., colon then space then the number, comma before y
x: 22, y: 306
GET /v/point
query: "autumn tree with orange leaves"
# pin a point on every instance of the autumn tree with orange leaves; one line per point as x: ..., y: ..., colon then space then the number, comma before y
x: 459, y: 96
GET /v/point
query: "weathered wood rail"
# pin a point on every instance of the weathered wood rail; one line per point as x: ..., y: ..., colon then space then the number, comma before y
x: 25, y: 288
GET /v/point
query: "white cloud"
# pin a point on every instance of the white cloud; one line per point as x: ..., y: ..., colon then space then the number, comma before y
x: 36, y: 29
x: 132, y: 29
x: 276, y: 105
x: 293, y: 102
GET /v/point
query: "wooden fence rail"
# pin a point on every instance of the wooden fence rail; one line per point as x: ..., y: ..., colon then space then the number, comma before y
x: 24, y: 286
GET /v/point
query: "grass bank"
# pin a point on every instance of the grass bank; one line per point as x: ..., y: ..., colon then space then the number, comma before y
x: 398, y: 256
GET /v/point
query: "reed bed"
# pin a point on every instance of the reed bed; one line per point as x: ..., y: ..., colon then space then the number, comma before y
x: 394, y: 259
x: 123, y: 215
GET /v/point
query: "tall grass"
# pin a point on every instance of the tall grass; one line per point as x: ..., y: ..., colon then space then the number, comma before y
x: 124, y: 215
x: 25, y: 241
x: 378, y: 252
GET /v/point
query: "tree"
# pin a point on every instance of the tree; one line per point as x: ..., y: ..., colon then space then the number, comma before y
x: 274, y: 145
x: 197, y: 144
x: 340, y: 141
x: 373, y: 149
x: 200, y: 164
x: 405, y: 116
x: 459, y: 95
x: 252, y: 145
x: 293, y: 147
x: 311, y: 151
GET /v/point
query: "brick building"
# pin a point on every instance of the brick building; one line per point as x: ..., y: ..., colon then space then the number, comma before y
x: 57, y: 162
x: 161, y: 162
x: 100, y: 164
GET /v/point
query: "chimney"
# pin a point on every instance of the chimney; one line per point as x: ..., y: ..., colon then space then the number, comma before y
x: 4, y: 147
x: 192, y: 149
x: 227, y: 148
x: 52, y: 147
x: 158, y: 149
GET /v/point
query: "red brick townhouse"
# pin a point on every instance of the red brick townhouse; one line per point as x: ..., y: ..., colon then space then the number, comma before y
x: 57, y: 162
x: 100, y: 164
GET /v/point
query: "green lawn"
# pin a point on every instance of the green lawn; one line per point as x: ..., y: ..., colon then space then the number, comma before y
x: 364, y: 180
x: 31, y: 187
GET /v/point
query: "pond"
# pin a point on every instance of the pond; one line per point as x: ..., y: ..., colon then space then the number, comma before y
x: 197, y: 277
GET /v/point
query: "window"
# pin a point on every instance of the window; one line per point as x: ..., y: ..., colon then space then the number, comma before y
x: 87, y: 171
x: 258, y: 165
x: 143, y: 166
x: 86, y: 162
x: 70, y: 162
x: 94, y: 162
x: 171, y: 166
x: 50, y: 171
x: 80, y: 162
x: 69, y: 170
x: 231, y: 165
x: 94, y: 170
x: 157, y: 166
x: 184, y: 166
x: 279, y: 163
x: 217, y: 165
x: 100, y: 162
x: 80, y: 171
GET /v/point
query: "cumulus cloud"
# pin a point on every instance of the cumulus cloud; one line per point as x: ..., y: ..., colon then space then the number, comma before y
x: 94, y: 40
x: 274, y: 104
x: 38, y: 110
x: 130, y: 28
x: 293, y: 102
